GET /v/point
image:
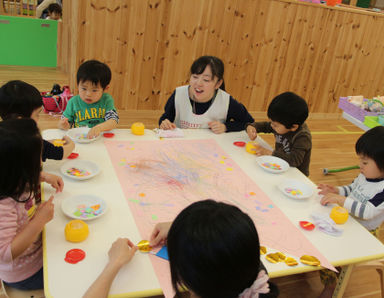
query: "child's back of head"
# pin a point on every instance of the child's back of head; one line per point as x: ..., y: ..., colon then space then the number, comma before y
x: 288, y: 109
x: 95, y: 72
x: 20, y: 157
x: 19, y: 99
x: 371, y: 144
x: 213, y: 250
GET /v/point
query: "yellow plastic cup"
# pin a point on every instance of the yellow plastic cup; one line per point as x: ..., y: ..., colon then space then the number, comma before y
x: 76, y: 231
x: 251, y: 145
x: 137, y: 128
x: 339, y: 215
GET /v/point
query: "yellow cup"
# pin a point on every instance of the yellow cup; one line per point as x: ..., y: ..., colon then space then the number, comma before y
x: 251, y: 145
x: 76, y: 231
x: 339, y: 215
x: 137, y: 128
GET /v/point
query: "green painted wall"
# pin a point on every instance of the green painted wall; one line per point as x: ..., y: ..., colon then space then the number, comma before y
x: 28, y: 41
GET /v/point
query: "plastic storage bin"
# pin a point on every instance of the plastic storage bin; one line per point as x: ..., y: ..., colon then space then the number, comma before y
x: 353, y: 110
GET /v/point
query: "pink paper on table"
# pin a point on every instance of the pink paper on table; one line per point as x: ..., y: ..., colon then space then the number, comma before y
x: 160, y: 178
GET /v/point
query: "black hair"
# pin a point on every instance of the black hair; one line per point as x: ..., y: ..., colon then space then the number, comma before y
x: 371, y: 144
x: 56, y: 8
x: 20, y: 158
x: 217, y: 67
x: 288, y: 109
x: 213, y: 250
x: 18, y: 99
x: 94, y: 71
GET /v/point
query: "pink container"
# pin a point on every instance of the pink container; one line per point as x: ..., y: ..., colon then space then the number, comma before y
x: 354, y: 110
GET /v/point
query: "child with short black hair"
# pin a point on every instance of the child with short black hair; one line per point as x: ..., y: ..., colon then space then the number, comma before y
x: 20, y: 99
x: 92, y: 107
x: 364, y: 198
x: 293, y: 140
x: 22, y: 215
x: 204, y: 103
x: 213, y: 250
x: 55, y: 12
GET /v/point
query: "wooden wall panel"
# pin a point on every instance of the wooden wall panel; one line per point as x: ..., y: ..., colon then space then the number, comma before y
x: 268, y: 47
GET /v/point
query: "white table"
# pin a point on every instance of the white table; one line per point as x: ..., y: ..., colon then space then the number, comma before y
x: 67, y: 280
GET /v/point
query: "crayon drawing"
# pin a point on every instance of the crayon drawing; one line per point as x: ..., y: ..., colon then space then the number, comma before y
x: 160, y: 178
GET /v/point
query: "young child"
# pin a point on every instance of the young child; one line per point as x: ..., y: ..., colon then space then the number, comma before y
x: 55, y: 12
x: 364, y: 198
x: 213, y: 251
x: 19, y: 99
x: 22, y: 218
x: 293, y: 142
x: 204, y: 103
x: 92, y: 107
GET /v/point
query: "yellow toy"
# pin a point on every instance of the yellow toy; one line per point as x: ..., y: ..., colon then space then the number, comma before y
x: 58, y: 143
x: 137, y: 128
x: 339, y: 215
x: 76, y: 231
x: 250, y: 146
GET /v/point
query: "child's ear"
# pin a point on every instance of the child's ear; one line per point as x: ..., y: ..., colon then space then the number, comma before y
x: 294, y: 127
x: 106, y: 88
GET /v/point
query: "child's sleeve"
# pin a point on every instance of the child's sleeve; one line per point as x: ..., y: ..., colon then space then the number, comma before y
x: 345, y: 190
x: 237, y: 117
x: 366, y: 210
x: 8, y: 229
x: 51, y: 152
x: 263, y: 127
x: 110, y: 110
x: 68, y: 112
x: 169, y: 109
x: 299, y: 148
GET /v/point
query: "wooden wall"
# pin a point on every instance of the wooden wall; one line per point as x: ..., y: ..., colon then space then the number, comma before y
x: 268, y: 46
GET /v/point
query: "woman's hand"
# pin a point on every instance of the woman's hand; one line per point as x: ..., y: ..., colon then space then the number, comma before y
x: 167, y: 125
x: 217, y: 127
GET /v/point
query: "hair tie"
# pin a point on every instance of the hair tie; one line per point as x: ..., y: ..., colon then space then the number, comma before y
x: 260, y: 286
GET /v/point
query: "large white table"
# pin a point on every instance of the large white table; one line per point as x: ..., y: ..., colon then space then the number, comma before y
x: 138, y: 279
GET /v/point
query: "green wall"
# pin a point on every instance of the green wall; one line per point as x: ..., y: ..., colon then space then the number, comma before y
x: 28, y: 41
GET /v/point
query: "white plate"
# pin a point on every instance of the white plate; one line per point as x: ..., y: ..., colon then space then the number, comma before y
x: 80, y: 169
x: 79, y: 207
x: 79, y: 135
x: 272, y: 164
x: 295, y: 189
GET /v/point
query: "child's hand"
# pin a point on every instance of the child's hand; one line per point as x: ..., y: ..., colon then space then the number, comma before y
x: 64, y: 124
x: 44, y: 212
x: 160, y: 233
x: 68, y: 146
x: 332, y: 198
x: 94, y: 132
x: 262, y: 151
x: 325, y: 189
x: 217, y: 127
x: 55, y: 181
x: 167, y: 125
x: 121, y: 251
x: 252, y: 132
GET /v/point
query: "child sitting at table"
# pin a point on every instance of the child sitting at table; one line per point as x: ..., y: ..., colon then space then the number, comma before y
x: 92, y: 107
x: 204, y: 103
x: 22, y: 215
x: 20, y: 99
x: 293, y: 140
x: 213, y: 250
x: 364, y: 198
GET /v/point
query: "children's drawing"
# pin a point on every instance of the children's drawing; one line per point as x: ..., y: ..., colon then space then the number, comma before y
x: 160, y: 178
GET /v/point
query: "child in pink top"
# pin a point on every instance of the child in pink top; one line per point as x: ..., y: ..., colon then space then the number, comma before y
x: 22, y: 219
